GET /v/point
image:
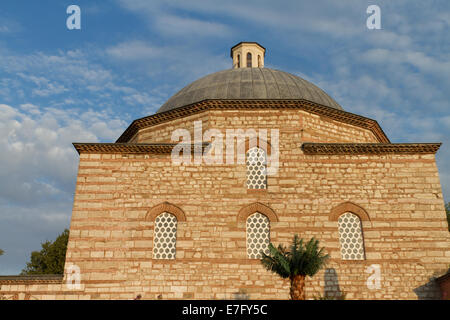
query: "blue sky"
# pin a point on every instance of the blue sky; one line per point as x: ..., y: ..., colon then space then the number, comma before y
x: 58, y: 86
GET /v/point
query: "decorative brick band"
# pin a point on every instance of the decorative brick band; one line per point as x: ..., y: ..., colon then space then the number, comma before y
x: 250, y: 209
x: 315, y: 108
x: 369, y: 148
x: 166, y: 207
x: 32, y: 279
x: 133, y: 148
x: 337, y: 211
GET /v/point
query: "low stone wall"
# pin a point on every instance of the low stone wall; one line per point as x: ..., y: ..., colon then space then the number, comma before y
x: 38, y: 287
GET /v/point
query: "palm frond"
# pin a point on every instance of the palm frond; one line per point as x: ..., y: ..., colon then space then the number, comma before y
x: 277, y: 260
x: 301, y: 259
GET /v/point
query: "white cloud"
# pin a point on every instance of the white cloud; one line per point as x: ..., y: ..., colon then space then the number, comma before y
x: 30, y: 108
x: 54, y: 71
x: 23, y: 229
x: 72, y: 78
x: 39, y: 162
x: 178, y: 26
x: 420, y: 60
x: 38, y: 167
x: 180, y: 62
x: 9, y: 26
x: 134, y: 50
x: 327, y: 17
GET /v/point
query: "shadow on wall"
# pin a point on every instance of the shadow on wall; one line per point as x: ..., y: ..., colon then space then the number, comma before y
x: 428, y: 291
x: 241, y: 295
x: 331, y: 289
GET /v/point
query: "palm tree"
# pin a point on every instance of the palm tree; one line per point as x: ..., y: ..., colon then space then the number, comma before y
x: 297, y: 263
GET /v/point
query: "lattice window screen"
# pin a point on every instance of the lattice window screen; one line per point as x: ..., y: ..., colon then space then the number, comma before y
x: 256, y: 169
x: 350, y: 237
x: 258, y: 235
x: 165, y: 236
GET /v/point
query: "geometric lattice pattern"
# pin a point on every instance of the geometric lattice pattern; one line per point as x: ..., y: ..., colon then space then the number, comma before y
x: 258, y: 235
x: 256, y: 169
x: 350, y: 237
x: 165, y: 236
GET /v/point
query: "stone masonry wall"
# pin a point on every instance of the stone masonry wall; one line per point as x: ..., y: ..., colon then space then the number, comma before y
x: 301, y: 125
x: 39, y: 290
x: 111, y: 233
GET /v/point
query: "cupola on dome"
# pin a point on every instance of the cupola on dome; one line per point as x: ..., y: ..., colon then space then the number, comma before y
x: 248, y: 79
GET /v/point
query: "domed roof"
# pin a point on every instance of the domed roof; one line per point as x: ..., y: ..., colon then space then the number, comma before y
x: 249, y: 83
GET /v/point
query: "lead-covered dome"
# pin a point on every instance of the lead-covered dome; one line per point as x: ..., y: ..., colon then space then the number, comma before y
x: 249, y: 83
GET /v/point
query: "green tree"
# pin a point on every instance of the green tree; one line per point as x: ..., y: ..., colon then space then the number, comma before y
x: 296, y: 263
x: 447, y: 210
x: 51, y: 259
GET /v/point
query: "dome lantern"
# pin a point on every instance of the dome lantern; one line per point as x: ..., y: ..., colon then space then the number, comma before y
x: 248, y: 55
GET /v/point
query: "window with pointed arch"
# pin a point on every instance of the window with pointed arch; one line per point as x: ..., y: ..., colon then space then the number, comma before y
x: 249, y: 60
x: 238, y: 60
x: 351, y: 237
x: 165, y: 236
x: 256, y: 168
x: 258, y: 235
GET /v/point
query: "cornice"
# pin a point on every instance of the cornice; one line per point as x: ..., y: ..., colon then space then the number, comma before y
x: 31, y: 279
x: 369, y: 148
x: 130, y: 148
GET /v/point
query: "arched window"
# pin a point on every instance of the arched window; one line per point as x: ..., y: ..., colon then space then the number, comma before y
x: 249, y: 60
x: 256, y: 168
x: 351, y: 237
x: 238, y: 60
x: 258, y: 235
x: 165, y: 236
x: 259, y: 61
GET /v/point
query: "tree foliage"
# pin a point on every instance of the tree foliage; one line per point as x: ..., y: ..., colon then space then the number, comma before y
x: 447, y: 210
x: 295, y: 263
x: 51, y: 259
x: 1, y: 252
x: 300, y: 259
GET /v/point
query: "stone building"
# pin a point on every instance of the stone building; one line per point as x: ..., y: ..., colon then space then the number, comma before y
x: 145, y: 224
